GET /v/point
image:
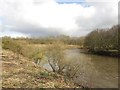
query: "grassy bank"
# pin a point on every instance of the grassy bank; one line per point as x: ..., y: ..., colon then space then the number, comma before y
x: 24, y: 73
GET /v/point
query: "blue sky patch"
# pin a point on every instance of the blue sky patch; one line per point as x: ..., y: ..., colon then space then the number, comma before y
x: 81, y: 2
x: 70, y: 1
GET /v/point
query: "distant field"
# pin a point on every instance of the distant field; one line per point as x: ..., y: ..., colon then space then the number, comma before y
x: 45, y: 45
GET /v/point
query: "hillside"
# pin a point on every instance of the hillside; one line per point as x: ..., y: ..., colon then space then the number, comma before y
x: 24, y: 73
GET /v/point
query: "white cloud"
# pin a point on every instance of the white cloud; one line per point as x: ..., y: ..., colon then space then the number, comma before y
x: 49, y: 16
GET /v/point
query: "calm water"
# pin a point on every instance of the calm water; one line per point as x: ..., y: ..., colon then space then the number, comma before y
x: 94, y: 71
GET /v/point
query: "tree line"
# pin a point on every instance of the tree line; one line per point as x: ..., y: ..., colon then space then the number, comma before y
x: 62, y: 38
x: 103, y: 40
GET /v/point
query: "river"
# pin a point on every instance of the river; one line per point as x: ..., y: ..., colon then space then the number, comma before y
x: 95, y: 71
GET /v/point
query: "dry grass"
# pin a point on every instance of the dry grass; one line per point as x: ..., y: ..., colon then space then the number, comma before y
x: 23, y: 73
x: 65, y: 46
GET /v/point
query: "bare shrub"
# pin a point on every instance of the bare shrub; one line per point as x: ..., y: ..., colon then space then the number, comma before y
x: 55, y: 56
x: 10, y: 44
x: 37, y: 55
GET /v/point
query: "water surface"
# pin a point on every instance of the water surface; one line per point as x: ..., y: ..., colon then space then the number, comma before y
x: 93, y: 70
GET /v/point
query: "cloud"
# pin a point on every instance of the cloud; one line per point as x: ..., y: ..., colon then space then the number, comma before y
x: 47, y: 17
x: 105, y: 16
x: 28, y: 29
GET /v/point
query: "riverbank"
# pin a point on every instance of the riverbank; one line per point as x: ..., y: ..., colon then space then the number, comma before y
x: 24, y: 73
x: 111, y: 53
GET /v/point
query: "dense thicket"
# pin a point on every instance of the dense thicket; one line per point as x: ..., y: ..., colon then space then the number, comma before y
x: 102, y: 39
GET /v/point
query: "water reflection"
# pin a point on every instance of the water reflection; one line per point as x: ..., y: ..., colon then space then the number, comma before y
x: 94, y: 71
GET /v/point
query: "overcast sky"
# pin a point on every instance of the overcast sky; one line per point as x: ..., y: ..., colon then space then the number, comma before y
x: 56, y: 17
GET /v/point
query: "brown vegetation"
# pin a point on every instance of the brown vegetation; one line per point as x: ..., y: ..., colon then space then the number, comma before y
x: 23, y: 73
x: 103, y: 41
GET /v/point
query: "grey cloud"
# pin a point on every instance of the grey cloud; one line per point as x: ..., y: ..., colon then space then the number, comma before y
x: 32, y: 30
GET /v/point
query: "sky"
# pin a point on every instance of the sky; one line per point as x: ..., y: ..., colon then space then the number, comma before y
x: 26, y: 18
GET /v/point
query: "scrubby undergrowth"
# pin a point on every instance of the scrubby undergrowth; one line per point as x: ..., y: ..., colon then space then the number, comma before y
x: 24, y: 73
